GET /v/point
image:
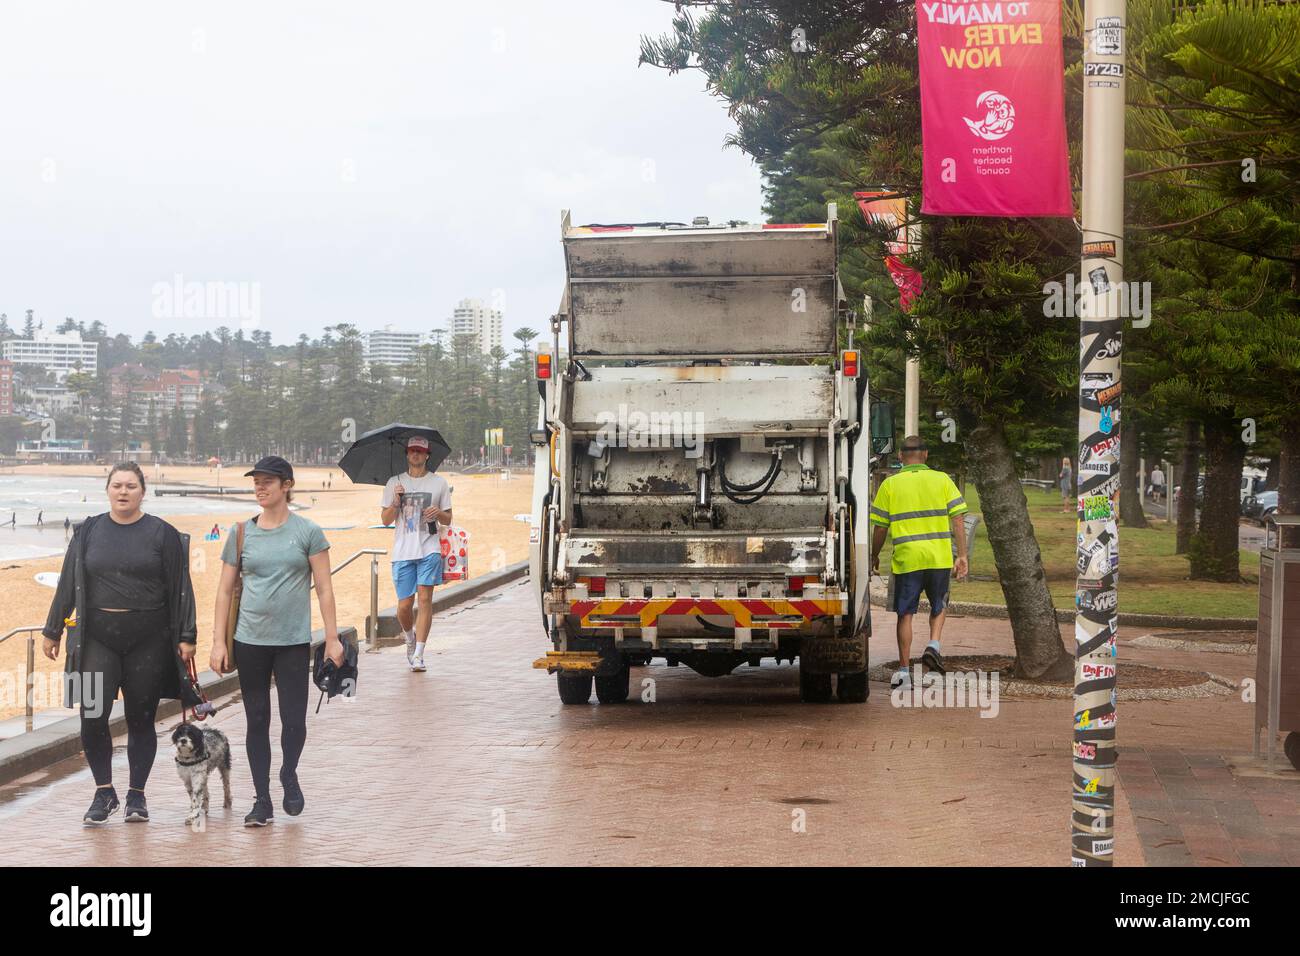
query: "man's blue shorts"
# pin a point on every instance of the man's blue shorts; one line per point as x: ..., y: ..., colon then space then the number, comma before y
x: 426, y: 572
x: 909, y: 585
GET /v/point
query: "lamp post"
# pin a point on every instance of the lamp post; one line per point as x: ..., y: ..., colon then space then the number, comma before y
x: 1101, y: 330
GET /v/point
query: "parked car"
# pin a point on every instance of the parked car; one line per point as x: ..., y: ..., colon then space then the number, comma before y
x: 1260, y: 507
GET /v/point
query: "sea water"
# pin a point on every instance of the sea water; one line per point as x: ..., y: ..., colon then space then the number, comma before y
x: 22, y: 497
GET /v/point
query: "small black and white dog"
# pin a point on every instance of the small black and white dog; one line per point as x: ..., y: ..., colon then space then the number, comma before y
x: 199, y: 751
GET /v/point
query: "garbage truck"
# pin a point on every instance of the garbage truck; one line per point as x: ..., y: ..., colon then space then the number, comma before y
x: 704, y: 451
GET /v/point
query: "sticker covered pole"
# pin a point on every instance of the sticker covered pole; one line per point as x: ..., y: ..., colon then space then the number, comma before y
x: 1101, y: 328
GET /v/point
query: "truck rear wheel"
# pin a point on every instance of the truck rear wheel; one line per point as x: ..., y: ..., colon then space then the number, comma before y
x: 613, y: 688
x: 814, y: 688
x: 853, y: 688
x: 575, y: 686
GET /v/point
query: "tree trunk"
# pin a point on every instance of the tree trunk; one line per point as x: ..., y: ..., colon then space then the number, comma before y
x: 1288, y: 484
x: 1130, y: 491
x: 1214, y: 551
x: 1191, y: 467
x: 1040, y: 652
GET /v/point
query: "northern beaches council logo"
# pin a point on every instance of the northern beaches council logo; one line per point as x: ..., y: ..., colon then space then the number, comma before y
x: 999, y: 116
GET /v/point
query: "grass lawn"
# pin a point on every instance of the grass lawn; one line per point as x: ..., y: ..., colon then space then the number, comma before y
x: 1152, y: 579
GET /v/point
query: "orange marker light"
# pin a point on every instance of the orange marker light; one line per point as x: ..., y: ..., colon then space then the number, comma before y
x: 543, y: 365
x: 849, y: 363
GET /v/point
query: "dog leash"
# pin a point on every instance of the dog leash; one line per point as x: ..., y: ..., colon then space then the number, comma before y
x: 204, y: 707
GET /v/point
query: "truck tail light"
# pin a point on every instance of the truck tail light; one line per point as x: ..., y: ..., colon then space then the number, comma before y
x: 794, y: 584
x: 543, y: 364
x: 849, y: 363
x: 594, y: 585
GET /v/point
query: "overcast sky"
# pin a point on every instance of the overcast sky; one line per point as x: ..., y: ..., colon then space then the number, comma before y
x: 353, y: 162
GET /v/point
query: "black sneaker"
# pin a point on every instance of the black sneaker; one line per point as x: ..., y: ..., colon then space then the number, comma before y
x: 261, y: 813
x: 933, y: 660
x: 137, y: 811
x: 102, y: 807
x: 294, y: 801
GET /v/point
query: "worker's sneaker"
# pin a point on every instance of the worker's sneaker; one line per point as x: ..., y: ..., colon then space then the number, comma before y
x: 137, y: 811
x: 902, y: 680
x: 102, y: 807
x: 417, y: 664
x: 933, y: 660
x: 410, y: 646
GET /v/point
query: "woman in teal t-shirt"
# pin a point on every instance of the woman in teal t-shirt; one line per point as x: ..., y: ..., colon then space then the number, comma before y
x: 283, y: 553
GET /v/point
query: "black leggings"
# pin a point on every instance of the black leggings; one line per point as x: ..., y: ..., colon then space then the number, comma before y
x: 290, y: 665
x: 127, y: 651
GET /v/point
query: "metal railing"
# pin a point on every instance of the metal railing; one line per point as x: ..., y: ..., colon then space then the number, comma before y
x: 31, y: 631
x: 372, y: 628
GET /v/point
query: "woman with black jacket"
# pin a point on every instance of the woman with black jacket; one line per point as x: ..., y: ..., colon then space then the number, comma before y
x: 126, y: 575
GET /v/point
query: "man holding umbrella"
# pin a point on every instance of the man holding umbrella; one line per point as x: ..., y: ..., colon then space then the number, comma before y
x: 416, y: 502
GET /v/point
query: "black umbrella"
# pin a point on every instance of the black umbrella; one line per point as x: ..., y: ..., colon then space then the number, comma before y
x: 379, y: 454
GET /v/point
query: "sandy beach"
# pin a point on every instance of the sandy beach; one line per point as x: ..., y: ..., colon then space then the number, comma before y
x: 484, y: 505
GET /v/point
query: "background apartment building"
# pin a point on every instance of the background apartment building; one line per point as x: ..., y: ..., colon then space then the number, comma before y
x: 60, y: 352
x: 6, y: 387
x: 391, y: 347
x: 472, y: 317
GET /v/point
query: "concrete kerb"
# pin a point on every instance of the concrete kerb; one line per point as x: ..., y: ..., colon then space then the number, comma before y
x: 1066, y: 616
x: 29, y: 752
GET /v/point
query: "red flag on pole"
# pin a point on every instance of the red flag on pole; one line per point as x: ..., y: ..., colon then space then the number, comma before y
x: 906, y: 278
x: 890, y: 208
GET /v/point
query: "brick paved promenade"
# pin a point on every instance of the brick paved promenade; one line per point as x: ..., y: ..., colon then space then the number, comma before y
x: 476, y: 761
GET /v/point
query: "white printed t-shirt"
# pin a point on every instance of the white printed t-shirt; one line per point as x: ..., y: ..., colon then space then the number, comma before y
x: 411, y: 537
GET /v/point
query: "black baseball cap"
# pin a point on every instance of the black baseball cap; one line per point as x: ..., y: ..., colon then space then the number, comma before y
x: 271, y: 465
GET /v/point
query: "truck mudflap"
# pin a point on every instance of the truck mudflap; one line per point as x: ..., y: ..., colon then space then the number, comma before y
x: 834, y: 655
x: 756, y: 613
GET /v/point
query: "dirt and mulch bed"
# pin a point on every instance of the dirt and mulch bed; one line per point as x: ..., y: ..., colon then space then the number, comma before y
x: 1133, y: 681
x: 1217, y: 642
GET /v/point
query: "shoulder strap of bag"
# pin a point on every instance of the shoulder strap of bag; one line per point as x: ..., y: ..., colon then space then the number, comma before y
x: 239, y: 548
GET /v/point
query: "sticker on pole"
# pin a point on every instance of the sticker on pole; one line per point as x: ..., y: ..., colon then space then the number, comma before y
x: 1108, y: 37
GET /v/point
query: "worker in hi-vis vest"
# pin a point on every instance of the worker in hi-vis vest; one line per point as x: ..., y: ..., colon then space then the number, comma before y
x: 920, y: 510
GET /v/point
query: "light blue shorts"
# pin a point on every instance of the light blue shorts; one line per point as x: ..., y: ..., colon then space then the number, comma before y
x: 426, y: 572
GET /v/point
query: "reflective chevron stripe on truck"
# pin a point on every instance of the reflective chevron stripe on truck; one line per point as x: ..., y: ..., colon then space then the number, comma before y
x: 747, y: 612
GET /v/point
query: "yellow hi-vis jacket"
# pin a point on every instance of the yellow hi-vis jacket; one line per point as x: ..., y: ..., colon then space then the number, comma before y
x: 915, y: 504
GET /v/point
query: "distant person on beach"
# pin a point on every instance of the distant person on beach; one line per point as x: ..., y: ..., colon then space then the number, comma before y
x: 283, y: 554
x: 416, y: 502
x: 127, y: 579
x: 40, y: 519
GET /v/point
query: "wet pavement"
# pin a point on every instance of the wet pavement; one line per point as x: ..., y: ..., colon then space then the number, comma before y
x: 476, y: 761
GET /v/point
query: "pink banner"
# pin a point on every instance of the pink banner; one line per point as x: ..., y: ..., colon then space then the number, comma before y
x: 992, y: 108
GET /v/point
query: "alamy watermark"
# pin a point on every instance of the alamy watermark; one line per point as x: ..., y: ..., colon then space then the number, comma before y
x: 974, y: 689
x: 48, y: 689
x: 1126, y: 300
x: 633, y: 428
x: 179, y: 299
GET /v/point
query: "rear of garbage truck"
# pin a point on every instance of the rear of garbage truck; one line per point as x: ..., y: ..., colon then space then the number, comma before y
x: 704, y: 448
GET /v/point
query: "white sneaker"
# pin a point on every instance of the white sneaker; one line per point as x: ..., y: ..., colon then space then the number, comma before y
x: 902, y: 680
x: 410, y: 646
x: 417, y: 664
